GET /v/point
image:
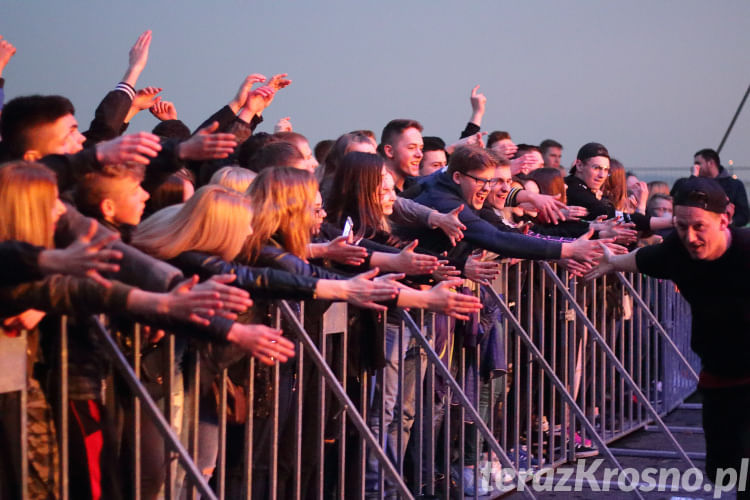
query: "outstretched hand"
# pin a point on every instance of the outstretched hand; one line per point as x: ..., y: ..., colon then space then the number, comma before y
x: 207, y: 145
x: 479, y: 270
x: 264, y: 343
x: 136, y: 148
x: 234, y: 300
x: 363, y: 292
x: 457, y: 305
x: 605, y: 265
x: 414, y: 263
x: 186, y: 304
x: 341, y: 251
x: 86, y: 256
x: 450, y: 224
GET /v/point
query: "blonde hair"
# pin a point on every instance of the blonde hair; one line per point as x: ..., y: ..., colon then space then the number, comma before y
x: 282, y: 199
x: 215, y: 220
x: 28, y: 194
x: 233, y: 177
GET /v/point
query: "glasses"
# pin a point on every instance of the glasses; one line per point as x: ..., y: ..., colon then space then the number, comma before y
x: 484, y: 182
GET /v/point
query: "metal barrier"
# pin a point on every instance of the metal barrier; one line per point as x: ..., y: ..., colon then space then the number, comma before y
x: 404, y: 403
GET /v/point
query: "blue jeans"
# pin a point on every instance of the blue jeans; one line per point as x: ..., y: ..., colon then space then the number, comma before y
x: 389, y: 395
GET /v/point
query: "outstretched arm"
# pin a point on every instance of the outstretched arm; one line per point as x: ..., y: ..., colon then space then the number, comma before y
x: 610, y: 263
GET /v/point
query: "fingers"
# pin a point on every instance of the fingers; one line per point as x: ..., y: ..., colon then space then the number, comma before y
x: 368, y: 274
x: 104, y: 241
x: 391, y: 277
x: 457, y: 211
x: 411, y: 246
x: 209, y: 129
x: 94, y: 275
x: 188, y: 284
x: 474, y: 91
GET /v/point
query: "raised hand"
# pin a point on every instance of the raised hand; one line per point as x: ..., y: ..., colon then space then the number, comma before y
x: 244, y: 91
x: 207, y: 145
x: 283, y: 125
x: 164, y: 110
x: 84, y: 257
x: 7, y: 50
x: 137, y: 58
x: 144, y: 99
x: 523, y: 164
x: 257, y: 101
x: 478, y: 102
x: 137, y: 148
x: 472, y: 140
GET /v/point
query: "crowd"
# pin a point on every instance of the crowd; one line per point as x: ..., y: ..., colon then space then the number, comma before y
x: 196, y: 233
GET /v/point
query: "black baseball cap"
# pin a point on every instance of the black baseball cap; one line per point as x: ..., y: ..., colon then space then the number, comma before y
x: 700, y: 192
x: 591, y: 150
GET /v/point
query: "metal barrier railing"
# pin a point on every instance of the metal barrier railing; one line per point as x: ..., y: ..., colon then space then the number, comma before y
x: 551, y: 369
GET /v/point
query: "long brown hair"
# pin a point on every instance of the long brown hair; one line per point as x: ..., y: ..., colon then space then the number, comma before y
x: 28, y: 193
x: 356, y: 194
x: 550, y: 181
x: 282, y: 199
x: 615, y: 188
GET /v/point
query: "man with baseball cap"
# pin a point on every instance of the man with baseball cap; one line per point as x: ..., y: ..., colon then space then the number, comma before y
x: 587, y: 176
x: 709, y: 261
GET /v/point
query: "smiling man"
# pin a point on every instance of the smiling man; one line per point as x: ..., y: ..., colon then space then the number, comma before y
x: 468, y: 181
x: 401, y: 146
x: 708, y: 261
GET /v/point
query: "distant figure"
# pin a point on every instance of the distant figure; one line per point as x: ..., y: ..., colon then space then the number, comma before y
x: 708, y: 164
x: 552, y: 153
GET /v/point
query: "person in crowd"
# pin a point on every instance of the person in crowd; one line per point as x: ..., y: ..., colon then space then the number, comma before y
x: 300, y: 142
x: 552, y: 153
x: 698, y: 256
x: 177, y: 188
x: 321, y: 150
x: 233, y: 177
x: 30, y: 212
x: 434, y: 156
x: 708, y: 164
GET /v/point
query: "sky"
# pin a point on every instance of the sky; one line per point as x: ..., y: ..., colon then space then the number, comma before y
x: 652, y: 80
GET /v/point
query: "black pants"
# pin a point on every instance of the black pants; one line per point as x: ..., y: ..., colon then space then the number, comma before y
x: 726, y: 423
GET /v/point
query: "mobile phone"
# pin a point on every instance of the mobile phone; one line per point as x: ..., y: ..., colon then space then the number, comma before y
x: 347, y: 227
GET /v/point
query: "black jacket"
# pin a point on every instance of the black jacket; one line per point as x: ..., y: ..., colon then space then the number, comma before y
x: 438, y: 191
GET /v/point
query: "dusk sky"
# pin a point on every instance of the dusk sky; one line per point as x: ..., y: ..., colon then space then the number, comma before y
x: 652, y: 80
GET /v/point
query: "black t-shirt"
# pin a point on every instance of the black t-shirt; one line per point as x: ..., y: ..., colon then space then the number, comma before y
x: 718, y: 292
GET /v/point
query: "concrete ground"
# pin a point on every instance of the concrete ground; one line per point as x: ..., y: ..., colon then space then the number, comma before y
x: 686, y: 424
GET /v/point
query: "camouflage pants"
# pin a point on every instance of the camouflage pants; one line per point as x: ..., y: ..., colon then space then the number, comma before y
x: 43, y: 459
